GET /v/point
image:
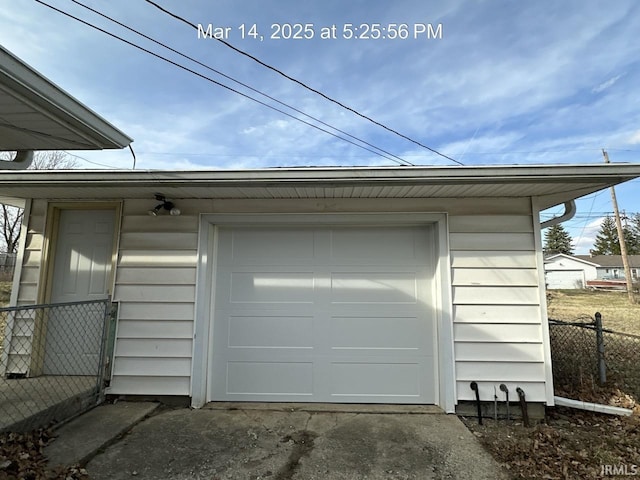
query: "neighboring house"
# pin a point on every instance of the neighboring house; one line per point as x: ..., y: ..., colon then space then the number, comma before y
x: 368, y: 285
x: 568, y: 272
x: 610, y: 266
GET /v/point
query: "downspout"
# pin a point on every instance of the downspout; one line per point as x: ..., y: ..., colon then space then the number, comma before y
x: 21, y: 161
x: 569, y: 212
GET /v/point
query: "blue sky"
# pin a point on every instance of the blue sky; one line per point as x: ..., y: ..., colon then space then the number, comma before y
x: 508, y: 83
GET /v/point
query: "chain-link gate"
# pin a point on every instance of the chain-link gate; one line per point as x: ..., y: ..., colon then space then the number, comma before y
x: 52, y: 361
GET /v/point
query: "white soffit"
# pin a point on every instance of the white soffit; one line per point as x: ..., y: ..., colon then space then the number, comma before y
x: 551, y: 184
x: 36, y: 114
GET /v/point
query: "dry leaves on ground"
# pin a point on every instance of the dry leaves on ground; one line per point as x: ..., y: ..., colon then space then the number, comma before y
x: 22, y: 457
x: 571, y: 444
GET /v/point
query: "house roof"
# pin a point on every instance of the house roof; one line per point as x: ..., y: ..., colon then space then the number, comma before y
x: 578, y: 258
x: 36, y: 114
x: 551, y: 184
x: 611, y: 261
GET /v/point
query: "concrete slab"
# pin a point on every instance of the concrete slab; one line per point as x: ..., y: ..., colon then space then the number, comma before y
x: 80, y: 439
x: 278, y: 444
x: 27, y: 403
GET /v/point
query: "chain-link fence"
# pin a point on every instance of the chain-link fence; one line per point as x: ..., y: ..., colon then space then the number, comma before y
x: 52, y: 361
x: 587, y: 358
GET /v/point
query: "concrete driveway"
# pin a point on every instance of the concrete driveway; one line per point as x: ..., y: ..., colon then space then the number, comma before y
x: 278, y: 443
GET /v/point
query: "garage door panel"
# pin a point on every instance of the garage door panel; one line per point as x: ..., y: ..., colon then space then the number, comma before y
x: 273, y: 287
x: 271, y: 331
x: 383, y: 333
x: 400, y: 310
x: 373, y: 287
x: 259, y: 245
x: 386, y: 246
x: 269, y: 378
x: 375, y: 379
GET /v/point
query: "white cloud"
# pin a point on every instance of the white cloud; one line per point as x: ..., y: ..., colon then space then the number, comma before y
x: 585, y: 237
x: 634, y: 139
x: 607, y: 84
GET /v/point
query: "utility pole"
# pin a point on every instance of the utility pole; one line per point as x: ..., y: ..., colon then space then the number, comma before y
x: 621, y: 239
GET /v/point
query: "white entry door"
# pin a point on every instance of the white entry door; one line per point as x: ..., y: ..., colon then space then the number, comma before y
x: 324, y: 314
x: 81, y: 271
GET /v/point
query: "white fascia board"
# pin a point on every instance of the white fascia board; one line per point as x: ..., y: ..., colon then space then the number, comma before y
x: 605, y: 174
x: 19, y: 78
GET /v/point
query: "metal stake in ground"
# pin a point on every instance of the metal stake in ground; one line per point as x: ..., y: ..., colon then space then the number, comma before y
x: 474, y: 387
x: 523, y: 406
x: 504, y: 388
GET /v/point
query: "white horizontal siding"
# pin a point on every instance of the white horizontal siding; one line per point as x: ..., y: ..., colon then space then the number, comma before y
x: 498, y: 352
x: 161, y: 275
x: 32, y: 258
x: 152, y: 366
x: 505, y: 295
x: 500, y: 371
x: 30, y: 275
x: 491, y: 224
x: 149, y: 385
x: 156, y: 311
x: 164, y: 258
x: 155, y: 293
x: 28, y: 293
x: 492, y: 259
x: 153, y: 347
x: 155, y: 329
x: 160, y: 224
x: 493, y: 332
x: 155, y: 288
x: 495, y: 277
x: 496, y: 313
x: 496, y: 305
x: 34, y: 241
x: 492, y: 241
x: 158, y: 241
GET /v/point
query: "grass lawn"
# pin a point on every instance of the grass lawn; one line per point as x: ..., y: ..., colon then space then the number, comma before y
x: 617, y: 313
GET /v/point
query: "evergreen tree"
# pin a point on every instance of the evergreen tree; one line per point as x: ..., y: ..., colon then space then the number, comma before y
x: 607, y: 243
x: 635, y: 224
x: 557, y: 240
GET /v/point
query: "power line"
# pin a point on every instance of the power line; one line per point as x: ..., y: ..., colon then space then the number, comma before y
x: 209, y: 79
x: 402, y: 160
x: 89, y: 161
x: 304, y: 85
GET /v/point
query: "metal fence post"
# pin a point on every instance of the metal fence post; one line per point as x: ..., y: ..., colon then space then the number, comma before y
x: 602, y: 367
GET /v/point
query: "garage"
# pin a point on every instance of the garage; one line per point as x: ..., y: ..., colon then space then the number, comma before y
x: 326, y: 313
x: 564, y: 279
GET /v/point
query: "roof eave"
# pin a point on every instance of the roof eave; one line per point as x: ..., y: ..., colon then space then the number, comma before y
x: 20, y: 80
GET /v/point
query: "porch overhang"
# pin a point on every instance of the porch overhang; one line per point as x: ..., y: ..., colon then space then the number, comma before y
x: 36, y: 114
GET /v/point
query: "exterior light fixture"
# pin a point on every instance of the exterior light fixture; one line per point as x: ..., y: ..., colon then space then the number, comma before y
x: 165, y: 205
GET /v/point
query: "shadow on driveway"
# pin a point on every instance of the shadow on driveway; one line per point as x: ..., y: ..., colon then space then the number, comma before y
x: 282, y: 444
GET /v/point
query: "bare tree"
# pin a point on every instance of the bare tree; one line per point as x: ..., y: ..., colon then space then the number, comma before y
x: 10, y: 216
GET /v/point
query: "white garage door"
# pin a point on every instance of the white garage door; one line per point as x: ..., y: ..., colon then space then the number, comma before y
x: 324, y: 315
x: 564, y: 279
